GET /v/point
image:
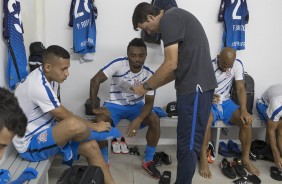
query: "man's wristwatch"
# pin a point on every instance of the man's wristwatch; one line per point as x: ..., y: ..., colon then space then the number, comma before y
x: 146, y: 86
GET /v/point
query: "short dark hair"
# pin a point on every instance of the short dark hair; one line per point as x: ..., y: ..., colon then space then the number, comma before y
x: 11, y: 115
x: 137, y: 42
x: 55, y: 50
x: 141, y: 12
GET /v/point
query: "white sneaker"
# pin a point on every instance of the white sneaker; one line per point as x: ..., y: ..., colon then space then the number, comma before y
x: 123, y: 146
x: 116, y: 146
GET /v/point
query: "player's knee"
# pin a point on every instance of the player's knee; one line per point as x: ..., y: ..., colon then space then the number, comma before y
x: 92, y: 146
x: 75, y: 126
x: 154, y: 121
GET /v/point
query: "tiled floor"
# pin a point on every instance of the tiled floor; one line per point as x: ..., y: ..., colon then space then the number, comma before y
x: 126, y: 169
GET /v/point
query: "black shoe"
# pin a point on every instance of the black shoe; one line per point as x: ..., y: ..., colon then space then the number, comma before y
x: 226, y: 169
x: 151, y: 169
x: 157, y: 161
x: 239, y: 168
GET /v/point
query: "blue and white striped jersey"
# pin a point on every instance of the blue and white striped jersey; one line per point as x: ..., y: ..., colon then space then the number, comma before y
x: 224, y: 79
x: 13, y: 33
x: 36, y: 97
x: 272, y: 97
x: 235, y: 15
x: 121, y: 78
x: 82, y: 19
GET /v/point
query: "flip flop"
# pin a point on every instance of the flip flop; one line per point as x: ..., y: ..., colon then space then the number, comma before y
x: 165, y: 178
x: 254, y: 179
x: 165, y: 158
x: 275, y: 173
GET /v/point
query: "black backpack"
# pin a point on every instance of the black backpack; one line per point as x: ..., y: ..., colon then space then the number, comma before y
x: 250, y: 90
x: 260, y: 150
x: 156, y: 37
x: 81, y: 174
x: 36, y: 55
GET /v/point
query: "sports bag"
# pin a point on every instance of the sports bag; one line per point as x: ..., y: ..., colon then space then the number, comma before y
x: 156, y: 37
x: 81, y: 174
x: 250, y: 90
x: 260, y: 150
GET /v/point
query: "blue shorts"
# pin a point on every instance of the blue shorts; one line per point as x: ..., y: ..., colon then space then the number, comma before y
x: 261, y: 107
x: 129, y: 112
x: 228, y: 107
x: 42, y: 146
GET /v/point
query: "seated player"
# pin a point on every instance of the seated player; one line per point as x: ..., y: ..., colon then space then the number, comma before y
x: 227, y: 67
x: 270, y: 110
x: 52, y: 129
x: 125, y: 73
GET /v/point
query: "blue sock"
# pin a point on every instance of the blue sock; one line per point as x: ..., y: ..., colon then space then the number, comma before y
x: 101, y: 136
x: 28, y: 174
x: 149, y: 153
x: 4, y: 176
x: 104, y: 152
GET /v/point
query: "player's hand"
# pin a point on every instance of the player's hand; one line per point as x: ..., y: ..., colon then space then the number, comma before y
x: 133, y: 127
x: 246, y: 117
x: 139, y: 90
x: 102, y: 126
x: 101, y: 110
x: 216, y: 98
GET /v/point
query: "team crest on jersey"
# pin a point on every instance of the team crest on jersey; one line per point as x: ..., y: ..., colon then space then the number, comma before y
x: 136, y: 82
x: 42, y: 137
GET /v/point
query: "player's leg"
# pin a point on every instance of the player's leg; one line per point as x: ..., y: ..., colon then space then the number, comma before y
x: 279, y: 136
x: 245, y: 136
x: 152, y: 137
x: 72, y: 128
x: 203, y: 164
x: 91, y: 151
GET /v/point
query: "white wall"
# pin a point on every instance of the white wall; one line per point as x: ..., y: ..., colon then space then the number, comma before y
x: 114, y: 31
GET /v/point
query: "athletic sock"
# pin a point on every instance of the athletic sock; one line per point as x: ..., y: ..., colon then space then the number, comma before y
x: 104, y: 152
x: 4, y: 176
x: 101, y: 136
x: 149, y: 153
x: 28, y: 174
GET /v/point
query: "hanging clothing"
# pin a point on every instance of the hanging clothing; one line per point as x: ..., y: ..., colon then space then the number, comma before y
x: 82, y: 19
x: 13, y: 33
x: 235, y: 15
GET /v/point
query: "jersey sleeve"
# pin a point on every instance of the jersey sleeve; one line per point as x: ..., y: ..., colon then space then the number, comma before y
x: 172, y: 29
x: 238, y: 70
x: 111, y: 69
x: 45, y: 97
x: 274, y: 110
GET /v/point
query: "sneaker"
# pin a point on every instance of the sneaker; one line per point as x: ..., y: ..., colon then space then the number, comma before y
x: 223, y: 150
x: 123, y: 146
x: 239, y: 168
x: 116, y: 146
x: 211, y: 153
x: 151, y: 169
x: 226, y: 169
x: 234, y: 148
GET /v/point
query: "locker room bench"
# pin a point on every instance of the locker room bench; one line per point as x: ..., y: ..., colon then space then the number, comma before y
x: 16, y: 165
x: 167, y: 122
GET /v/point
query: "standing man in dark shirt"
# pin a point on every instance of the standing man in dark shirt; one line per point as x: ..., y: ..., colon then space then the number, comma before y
x: 188, y: 62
